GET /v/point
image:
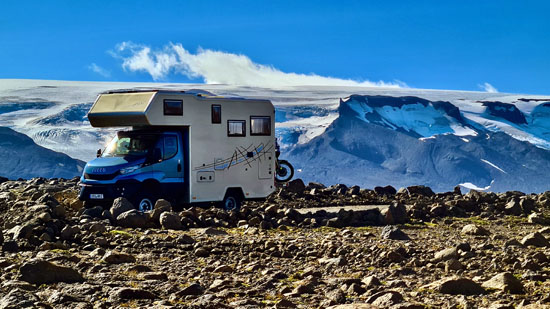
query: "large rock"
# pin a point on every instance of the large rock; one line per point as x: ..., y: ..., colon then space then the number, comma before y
x: 387, y: 190
x: 399, y: 213
x: 535, y: 239
x: 160, y: 207
x: 41, y: 272
x: 505, y: 282
x: 392, y: 232
x: 456, y: 286
x: 385, y: 299
x: 18, y: 298
x: 170, y: 221
x: 513, y: 208
x: 131, y: 293
x: 120, y: 205
x: 132, y: 218
x: 112, y: 257
x: 446, y: 254
x: 296, y: 186
x: 472, y: 229
x: 420, y: 190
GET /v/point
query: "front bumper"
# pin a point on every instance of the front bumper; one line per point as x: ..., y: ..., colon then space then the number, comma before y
x: 109, y: 192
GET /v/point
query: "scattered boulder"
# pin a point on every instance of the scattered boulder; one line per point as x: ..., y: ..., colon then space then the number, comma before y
x: 214, y: 232
x: 420, y: 190
x: 160, y: 206
x: 505, y: 282
x: 385, y: 299
x: 387, y: 190
x: 120, y: 205
x: 456, y: 286
x: 170, y: 221
x: 296, y: 186
x: 536, y: 218
x: 132, y: 219
x: 392, y: 232
x: 131, y: 293
x: 446, y: 254
x: 112, y: 257
x: 472, y: 229
x: 535, y: 239
x: 192, y: 289
x: 513, y: 208
x: 44, y: 272
x: 18, y: 298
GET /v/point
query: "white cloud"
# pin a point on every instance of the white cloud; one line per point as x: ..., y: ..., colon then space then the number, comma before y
x: 99, y: 70
x: 488, y: 88
x: 217, y: 67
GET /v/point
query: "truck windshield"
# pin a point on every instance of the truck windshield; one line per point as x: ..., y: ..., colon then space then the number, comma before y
x: 130, y: 145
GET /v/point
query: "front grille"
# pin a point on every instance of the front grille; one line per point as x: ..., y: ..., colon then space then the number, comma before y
x: 100, y: 176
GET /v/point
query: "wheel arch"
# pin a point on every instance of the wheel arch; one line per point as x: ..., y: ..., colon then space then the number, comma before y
x: 236, y: 192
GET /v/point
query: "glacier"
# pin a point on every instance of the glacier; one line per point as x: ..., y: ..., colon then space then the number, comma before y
x: 367, y: 136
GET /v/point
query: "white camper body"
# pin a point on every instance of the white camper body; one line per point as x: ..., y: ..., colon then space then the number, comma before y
x: 225, y: 144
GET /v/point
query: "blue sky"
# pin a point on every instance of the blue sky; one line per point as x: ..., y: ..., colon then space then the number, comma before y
x: 424, y: 44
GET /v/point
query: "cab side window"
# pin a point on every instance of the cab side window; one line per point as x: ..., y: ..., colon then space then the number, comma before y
x: 170, y: 147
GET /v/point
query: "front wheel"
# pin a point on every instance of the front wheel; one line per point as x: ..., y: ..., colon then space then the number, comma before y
x: 146, y: 204
x: 145, y: 201
x: 284, y: 172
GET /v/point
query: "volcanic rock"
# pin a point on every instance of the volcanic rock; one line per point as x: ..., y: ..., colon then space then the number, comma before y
x: 41, y: 272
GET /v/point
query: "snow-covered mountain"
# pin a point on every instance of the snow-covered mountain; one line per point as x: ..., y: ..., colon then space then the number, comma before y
x: 406, y: 140
x: 354, y: 135
x: 21, y: 157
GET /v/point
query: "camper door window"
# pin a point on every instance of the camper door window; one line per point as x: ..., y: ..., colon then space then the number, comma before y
x: 236, y: 128
x: 129, y: 145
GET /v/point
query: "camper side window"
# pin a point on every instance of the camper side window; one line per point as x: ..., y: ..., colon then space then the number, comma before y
x: 216, y: 113
x: 236, y: 128
x: 173, y: 107
x: 260, y: 125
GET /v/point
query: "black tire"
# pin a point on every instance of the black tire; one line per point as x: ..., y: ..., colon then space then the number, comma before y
x: 145, y: 201
x: 284, y: 171
x: 231, y: 201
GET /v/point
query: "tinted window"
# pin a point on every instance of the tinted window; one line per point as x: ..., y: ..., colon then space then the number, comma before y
x: 216, y: 114
x: 173, y: 107
x: 170, y: 146
x: 260, y: 125
x: 236, y: 128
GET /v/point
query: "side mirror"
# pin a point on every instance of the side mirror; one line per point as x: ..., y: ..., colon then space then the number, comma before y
x: 98, y: 154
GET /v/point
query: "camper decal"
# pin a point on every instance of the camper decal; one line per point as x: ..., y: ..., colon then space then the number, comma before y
x: 241, y: 155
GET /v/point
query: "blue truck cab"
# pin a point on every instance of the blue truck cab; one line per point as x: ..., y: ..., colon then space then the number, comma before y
x: 141, y: 165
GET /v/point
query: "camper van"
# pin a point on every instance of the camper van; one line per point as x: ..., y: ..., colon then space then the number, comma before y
x: 186, y: 147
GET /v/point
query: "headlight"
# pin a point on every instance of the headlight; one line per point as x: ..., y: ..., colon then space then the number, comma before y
x: 130, y: 169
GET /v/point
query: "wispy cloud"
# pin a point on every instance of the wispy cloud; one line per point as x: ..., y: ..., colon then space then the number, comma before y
x: 488, y: 88
x: 99, y: 70
x: 217, y: 67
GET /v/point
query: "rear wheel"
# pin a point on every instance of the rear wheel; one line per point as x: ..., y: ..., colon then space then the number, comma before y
x: 231, y: 201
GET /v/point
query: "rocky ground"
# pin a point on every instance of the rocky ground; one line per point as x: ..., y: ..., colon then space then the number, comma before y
x: 426, y: 250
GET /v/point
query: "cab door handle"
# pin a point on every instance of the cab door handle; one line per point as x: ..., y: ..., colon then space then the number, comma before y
x: 179, y: 166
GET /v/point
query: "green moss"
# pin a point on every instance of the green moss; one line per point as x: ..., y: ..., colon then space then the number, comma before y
x: 124, y: 234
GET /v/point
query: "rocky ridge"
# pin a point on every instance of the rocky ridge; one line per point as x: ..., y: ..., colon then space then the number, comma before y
x: 425, y: 250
